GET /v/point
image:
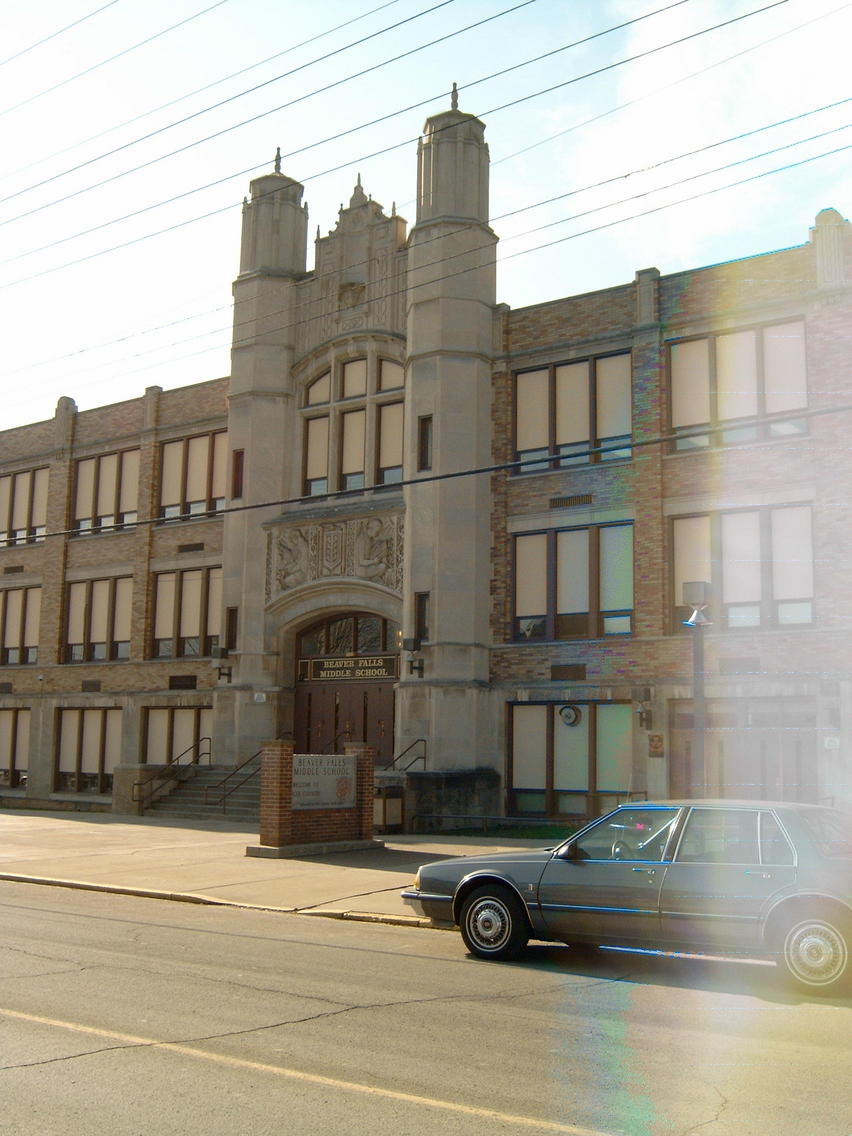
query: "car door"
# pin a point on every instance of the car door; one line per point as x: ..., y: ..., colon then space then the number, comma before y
x: 605, y: 886
x: 729, y: 863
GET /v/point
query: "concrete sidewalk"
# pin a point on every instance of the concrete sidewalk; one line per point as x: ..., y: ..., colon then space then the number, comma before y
x: 206, y: 862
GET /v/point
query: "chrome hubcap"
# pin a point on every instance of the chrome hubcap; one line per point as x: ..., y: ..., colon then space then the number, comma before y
x: 816, y: 953
x: 489, y: 923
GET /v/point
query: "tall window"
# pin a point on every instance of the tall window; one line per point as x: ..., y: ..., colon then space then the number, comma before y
x: 570, y: 759
x: 98, y: 620
x: 14, y: 747
x: 107, y: 491
x: 759, y: 563
x: 177, y: 732
x: 734, y: 383
x: 23, y: 507
x: 187, y: 613
x: 20, y: 613
x: 353, y: 420
x: 89, y: 750
x: 574, y: 583
x: 563, y: 410
x: 192, y: 476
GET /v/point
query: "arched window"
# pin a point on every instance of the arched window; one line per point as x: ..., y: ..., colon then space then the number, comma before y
x: 353, y: 426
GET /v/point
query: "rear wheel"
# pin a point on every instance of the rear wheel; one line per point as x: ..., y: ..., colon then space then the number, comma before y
x: 815, y: 953
x: 493, y: 923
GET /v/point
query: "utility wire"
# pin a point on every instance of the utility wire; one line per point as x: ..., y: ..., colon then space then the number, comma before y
x: 59, y: 32
x: 197, y: 91
x: 217, y: 106
x: 517, y: 465
x: 498, y: 161
x: 343, y: 134
x: 111, y: 59
x: 470, y: 252
x: 376, y: 153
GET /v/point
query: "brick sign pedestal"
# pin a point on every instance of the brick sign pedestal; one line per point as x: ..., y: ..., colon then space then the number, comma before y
x: 315, y: 803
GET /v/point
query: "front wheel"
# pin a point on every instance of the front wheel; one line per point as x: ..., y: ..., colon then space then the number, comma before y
x: 815, y: 954
x: 493, y: 924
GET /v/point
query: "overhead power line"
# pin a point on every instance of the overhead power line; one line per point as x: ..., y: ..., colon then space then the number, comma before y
x: 517, y: 465
x: 498, y: 161
x: 306, y: 319
x: 197, y: 91
x: 342, y: 134
x: 58, y: 32
x: 207, y: 110
x: 376, y: 153
x: 111, y: 59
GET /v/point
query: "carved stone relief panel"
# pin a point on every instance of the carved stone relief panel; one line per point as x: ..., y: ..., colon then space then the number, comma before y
x: 362, y: 548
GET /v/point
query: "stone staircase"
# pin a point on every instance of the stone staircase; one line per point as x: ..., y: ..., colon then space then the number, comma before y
x: 186, y: 800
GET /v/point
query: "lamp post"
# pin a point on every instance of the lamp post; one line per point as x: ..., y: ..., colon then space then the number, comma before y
x: 696, y: 594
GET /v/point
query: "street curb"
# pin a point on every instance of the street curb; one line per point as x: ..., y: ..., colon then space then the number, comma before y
x: 214, y: 901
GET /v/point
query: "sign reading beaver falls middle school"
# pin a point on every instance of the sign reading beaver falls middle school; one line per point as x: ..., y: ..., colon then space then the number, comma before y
x: 323, y: 781
x: 379, y: 666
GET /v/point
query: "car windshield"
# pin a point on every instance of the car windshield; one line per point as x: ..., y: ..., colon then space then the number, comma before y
x: 831, y: 830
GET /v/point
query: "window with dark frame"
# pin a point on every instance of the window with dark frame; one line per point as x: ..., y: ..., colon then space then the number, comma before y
x: 424, y: 442
x: 192, y: 476
x: 237, y: 473
x: 353, y: 420
x: 97, y: 620
x: 20, y: 615
x: 14, y: 747
x: 422, y: 603
x: 187, y: 613
x: 569, y: 759
x: 564, y: 410
x: 173, y: 733
x: 738, y: 386
x: 106, y: 492
x: 88, y: 749
x: 23, y: 507
x: 758, y: 562
x: 573, y: 583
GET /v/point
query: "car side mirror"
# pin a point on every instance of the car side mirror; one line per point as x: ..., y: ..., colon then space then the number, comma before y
x: 572, y: 852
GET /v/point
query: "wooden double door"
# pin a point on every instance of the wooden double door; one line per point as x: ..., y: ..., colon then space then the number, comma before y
x: 330, y: 713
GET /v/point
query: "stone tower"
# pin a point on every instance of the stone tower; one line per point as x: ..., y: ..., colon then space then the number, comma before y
x: 451, y: 296
x: 260, y: 417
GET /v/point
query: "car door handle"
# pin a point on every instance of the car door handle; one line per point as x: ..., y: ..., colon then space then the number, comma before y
x: 650, y: 871
x: 762, y: 875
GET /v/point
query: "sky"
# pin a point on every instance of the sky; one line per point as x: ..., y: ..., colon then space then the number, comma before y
x: 656, y: 133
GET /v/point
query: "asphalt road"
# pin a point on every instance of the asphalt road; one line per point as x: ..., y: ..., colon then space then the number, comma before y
x: 133, y: 1017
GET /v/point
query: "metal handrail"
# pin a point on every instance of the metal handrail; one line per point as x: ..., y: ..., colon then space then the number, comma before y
x: 417, y: 757
x: 223, y: 799
x: 172, y: 771
x: 494, y: 821
x: 330, y: 747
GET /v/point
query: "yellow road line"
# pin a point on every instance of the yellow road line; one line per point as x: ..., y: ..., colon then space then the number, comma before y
x: 310, y: 1078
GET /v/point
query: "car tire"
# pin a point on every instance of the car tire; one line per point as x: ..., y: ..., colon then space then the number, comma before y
x: 494, y: 924
x: 814, y: 953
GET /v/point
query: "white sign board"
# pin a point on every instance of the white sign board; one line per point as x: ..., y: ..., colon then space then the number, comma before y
x: 323, y: 781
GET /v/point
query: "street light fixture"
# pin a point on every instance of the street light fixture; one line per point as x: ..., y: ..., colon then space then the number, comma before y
x: 696, y: 594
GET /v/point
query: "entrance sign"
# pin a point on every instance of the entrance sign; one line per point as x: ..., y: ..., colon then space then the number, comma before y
x: 323, y: 781
x: 376, y: 666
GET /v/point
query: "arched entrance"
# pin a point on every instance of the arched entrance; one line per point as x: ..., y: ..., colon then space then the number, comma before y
x: 347, y: 665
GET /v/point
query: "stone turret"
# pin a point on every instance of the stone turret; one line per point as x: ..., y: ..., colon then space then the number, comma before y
x: 451, y: 297
x: 275, y: 226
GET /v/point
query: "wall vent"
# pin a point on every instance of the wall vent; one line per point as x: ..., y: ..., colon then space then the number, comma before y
x: 199, y: 547
x: 568, y: 672
x: 5, y: 688
x: 91, y: 685
x: 12, y: 569
x: 571, y: 502
x: 182, y: 682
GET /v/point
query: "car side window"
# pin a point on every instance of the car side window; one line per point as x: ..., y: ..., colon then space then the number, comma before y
x: 774, y: 846
x: 720, y: 836
x: 629, y: 834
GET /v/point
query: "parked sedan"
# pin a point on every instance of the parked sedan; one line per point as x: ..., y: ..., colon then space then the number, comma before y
x: 758, y: 879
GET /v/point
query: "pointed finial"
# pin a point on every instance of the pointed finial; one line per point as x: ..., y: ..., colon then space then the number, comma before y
x: 454, y: 98
x: 318, y: 232
x: 358, y: 183
x: 393, y: 209
x: 278, y: 160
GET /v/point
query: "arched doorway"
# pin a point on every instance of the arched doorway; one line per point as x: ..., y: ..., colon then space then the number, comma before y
x: 347, y: 665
